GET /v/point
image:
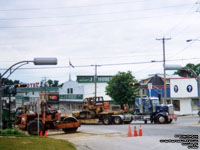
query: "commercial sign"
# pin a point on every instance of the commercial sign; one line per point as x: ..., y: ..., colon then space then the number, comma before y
x: 90, y: 79
x: 183, y: 87
x: 33, y: 85
x: 71, y: 96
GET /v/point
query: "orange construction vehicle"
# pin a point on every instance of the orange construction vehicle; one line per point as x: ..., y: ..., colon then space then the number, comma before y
x: 94, y: 110
x: 46, y: 119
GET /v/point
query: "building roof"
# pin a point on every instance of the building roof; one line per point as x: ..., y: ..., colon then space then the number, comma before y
x: 156, y: 80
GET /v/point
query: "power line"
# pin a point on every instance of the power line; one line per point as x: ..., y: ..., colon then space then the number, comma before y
x: 94, y: 5
x: 81, y: 15
x: 114, y: 64
x: 92, y: 22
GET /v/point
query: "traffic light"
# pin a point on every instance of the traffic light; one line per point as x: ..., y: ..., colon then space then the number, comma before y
x: 133, y: 83
x: 20, y: 85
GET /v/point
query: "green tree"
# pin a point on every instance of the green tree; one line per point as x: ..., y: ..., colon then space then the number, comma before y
x: 120, y: 90
x: 55, y: 83
x: 191, y: 70
x: 50, y: 83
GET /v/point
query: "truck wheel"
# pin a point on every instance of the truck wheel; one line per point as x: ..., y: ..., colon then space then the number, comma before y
x: 117, y: 120
x: 161, y: 119
x: 106, y: 120
x: 32, y: 127
x: 169, y: 121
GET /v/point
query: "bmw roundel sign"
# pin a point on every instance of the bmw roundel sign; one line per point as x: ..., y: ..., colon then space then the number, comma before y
x: 175, y: 88
x: 189, y: 88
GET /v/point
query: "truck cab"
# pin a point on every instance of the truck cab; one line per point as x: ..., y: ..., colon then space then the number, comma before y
x: 157, y: 113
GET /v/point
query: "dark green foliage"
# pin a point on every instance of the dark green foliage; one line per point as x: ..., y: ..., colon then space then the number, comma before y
x: 191, y: 70
x: 120, y: 90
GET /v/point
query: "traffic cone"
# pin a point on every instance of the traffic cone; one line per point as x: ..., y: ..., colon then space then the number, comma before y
x: 45, y: 133
x: 140, y: 130
x: 41, y: 134
x: 135, y: 131
x: 129, y: 131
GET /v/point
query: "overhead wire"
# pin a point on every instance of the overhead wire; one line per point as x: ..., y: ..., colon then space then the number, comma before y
x: 81, y: 23
x: 102, y: 65
x: 94, y: 14
x: 64, y: 7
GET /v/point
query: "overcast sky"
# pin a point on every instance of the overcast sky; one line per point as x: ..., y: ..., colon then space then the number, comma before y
x: 89, y: 32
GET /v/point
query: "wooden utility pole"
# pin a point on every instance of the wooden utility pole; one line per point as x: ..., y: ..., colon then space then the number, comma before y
x: 164, y: 60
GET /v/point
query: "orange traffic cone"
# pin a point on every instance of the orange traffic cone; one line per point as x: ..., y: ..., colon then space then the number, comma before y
x: 41, y: 134
x: 129, y: 131
x: 45, y: 134
x: 135, y: 131
x: 140, y: 131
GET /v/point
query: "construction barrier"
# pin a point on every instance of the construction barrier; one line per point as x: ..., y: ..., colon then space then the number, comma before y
x: 129, y: 131
x: 41, y: 133
x: 140, y: 130
x: 135, y: 133
x: 45, y: 133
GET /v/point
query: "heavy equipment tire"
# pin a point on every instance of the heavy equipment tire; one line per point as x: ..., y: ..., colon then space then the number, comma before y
x: 32, y: 127
x: 83, y: 115
x: 161, y: 119
x: 69, y: 120
x: 117, y: 120
x: 70, y: 130
x: 106, y: 120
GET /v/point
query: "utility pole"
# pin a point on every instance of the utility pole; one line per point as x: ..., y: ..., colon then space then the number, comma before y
x: 164, y: 60
x: 1, y: 103
x: 95, y: 80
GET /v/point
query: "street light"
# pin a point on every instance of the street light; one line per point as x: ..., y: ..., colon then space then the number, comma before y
x: 11, y: 69
x: 196, y: 76
x: 189, y: 40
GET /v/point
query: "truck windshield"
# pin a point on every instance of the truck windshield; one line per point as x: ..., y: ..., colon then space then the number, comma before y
x: 155, y: 102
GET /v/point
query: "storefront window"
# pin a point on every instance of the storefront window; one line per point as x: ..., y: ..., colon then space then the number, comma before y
x: 176, y: 104
x: 195, y: 104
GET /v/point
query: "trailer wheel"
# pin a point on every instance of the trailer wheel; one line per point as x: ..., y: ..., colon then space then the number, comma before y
x: 106, y: 120
x: 32, y: 127
x: 161, y: 119
x: 117, y: 120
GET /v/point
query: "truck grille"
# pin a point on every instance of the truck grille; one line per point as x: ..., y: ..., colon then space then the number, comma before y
x: 171, y: 109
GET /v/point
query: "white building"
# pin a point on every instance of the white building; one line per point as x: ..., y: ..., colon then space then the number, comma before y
x: 184, y: 95
x: 70, y: 96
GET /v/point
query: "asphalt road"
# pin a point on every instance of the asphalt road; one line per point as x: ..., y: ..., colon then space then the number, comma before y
x: 115, y: 137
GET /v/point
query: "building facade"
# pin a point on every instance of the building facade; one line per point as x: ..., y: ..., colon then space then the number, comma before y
x: 67, y: 98
x: 184, y: 95
x: 181, y: 92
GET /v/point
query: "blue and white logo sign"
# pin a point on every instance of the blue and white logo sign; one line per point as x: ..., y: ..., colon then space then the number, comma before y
x: 189, y: 88
x: 175, y: 88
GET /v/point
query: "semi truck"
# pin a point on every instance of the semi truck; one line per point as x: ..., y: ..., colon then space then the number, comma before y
x: 149, y: 109
x: 145, y: 109
x: 94, y: 111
